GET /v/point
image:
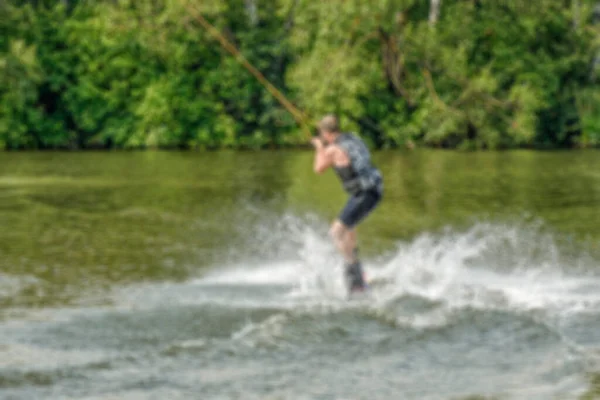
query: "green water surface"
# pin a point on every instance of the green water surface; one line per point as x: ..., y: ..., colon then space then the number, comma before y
x: 76, y: 220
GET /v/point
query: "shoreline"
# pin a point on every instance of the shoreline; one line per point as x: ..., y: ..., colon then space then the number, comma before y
x: 409, y: 147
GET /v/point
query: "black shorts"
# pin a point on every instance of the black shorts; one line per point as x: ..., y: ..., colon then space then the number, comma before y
x: 358, y: 207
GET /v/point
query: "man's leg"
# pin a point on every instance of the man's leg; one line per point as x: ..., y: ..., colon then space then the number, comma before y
x: 344, y: 234
x: 345, y: 240
x: 353, y: 243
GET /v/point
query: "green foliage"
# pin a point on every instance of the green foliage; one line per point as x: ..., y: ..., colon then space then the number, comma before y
x: 146, y: 74
x: 20, y: 74
x: 589, y: 109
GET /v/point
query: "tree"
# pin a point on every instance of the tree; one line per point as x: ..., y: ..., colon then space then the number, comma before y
x: 434, y: 11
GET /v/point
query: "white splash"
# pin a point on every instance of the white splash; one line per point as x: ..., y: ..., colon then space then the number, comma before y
x: 489, y: 266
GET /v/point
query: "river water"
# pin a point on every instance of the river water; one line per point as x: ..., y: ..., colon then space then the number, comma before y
x: 180, y: 275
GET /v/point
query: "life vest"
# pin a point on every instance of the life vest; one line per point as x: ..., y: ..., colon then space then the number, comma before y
x: 360, y: 175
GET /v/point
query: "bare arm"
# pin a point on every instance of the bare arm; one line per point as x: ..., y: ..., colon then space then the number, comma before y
x: 323, y: 156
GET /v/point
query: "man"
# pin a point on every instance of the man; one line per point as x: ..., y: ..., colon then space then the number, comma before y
x: 348, y: 155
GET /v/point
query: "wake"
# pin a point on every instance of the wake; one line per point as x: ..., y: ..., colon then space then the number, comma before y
x: 489, y: 266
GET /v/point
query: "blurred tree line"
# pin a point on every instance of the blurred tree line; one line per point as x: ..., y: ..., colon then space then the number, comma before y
x: 468, y: 74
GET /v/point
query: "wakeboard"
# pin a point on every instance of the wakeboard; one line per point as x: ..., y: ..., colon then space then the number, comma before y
x: 372, y: 285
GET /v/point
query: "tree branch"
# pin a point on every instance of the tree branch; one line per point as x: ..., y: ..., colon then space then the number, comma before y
x: 393, y: 64
x: 431, y: 88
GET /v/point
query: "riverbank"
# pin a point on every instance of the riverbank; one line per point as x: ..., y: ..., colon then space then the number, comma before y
x: 296, y: 147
